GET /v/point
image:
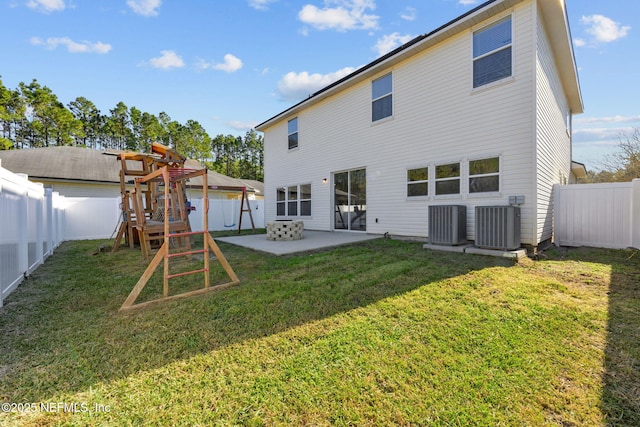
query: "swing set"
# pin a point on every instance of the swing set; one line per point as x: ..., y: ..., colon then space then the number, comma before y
x: 245, y: 207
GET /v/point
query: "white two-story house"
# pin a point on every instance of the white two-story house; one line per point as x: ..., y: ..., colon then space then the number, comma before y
x: 471, y: 114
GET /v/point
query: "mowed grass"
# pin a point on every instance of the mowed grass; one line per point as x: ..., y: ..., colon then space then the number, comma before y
x: 380, y: 333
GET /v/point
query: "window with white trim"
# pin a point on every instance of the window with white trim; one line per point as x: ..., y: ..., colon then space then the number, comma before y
x: 292, y: 132
x: 418, y: 182
x: 448, y: 179
x: 492, y: 53
x: 381, y: 97
x: 293, y: 200
x: 484, y: 175
x: 305, y: 200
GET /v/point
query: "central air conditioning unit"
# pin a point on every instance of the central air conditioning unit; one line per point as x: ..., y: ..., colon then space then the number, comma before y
x: 498, y: 227
x: 448, y: 225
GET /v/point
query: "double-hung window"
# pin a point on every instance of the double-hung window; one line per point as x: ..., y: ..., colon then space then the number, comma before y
x: 292, y: 131
x: 381, y: 97
x: 294, y: 200
x: 305, y: 200
x: 418, y: 182
x: 492, y: 53
x: 448, y: 179
x: 484, y: 175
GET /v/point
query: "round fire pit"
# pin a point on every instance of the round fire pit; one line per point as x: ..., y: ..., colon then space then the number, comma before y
x: 285, y: 230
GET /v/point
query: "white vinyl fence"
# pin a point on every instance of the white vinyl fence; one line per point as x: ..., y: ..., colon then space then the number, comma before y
x: 98, y: 218
x: 598, y: 215
x: 31, y: 224
x: 34, y: 221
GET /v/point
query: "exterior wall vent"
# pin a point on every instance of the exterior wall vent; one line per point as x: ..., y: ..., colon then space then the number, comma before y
x: 498, y: 227
x: 448, y: 225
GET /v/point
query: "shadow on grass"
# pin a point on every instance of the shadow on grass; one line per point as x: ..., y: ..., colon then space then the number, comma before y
x: 621, y: 394
x: 621, y: 378
x: 62, y: 332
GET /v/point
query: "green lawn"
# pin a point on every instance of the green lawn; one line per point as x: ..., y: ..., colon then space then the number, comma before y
x: 379, y: 333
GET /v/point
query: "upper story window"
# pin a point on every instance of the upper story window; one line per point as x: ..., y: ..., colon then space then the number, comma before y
x: 448, y: 179
x: 381, y: 97
x: 292, y: 131
x: 484, y: 175
x: 418, y: 182
x: 492, y: 53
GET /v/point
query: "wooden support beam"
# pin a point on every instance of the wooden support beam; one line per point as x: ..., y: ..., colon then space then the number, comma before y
x: 174, y: 207
x: 142, y: 282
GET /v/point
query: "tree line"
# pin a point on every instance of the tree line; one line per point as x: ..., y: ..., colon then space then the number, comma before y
x: 31, y: 116
x: 623, y: 165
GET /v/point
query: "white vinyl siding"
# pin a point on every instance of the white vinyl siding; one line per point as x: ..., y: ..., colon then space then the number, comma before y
x: 437, y: 119
x: 553, y: 155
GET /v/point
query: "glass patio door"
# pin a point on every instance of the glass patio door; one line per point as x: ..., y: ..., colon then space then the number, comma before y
x: 350, y: 200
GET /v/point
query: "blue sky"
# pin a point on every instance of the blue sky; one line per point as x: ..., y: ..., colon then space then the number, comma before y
x: 231, y: 64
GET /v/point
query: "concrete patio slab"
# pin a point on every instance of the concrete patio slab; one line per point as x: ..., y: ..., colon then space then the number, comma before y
x: 312, y: 240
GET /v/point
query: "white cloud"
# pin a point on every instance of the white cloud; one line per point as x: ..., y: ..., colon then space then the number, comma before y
x: 145, y: 7
x: 231, y: 64
x: 52, y: 43
x: 297, y: 86
x: 579, y: 42
x: 602, y: 30
x: 408, y: 14
x: 46, y: 6
x: 607, y: 120
x: 345, y: 15
x: 240, y: 125
x: 467, y: 2
x: 261, y: 4
x: 169, y: 59
x: 591, y: 134
x: 389, y: 42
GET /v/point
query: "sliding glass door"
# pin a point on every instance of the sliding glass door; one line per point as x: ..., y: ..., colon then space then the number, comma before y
x: 350, y: 200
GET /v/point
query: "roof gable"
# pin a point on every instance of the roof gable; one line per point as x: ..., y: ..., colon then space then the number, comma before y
x: 554, y: 14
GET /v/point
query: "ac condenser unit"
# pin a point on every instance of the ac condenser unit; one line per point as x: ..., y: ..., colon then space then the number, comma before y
x: 448, y: 225
x: 498, y: 227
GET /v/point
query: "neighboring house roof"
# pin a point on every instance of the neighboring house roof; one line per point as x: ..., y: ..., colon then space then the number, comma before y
x: 87, y: 165
x: 578, y: 169
x: 553, y: 12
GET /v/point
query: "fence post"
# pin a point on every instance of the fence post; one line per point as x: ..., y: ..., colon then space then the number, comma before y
x: 46, y: 226
x: 39, y: 217
x: 50, y: 223
x: 635, y: 213
x: 23, y: 221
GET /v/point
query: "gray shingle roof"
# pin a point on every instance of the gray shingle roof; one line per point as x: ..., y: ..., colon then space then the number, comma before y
x: 84, y: 164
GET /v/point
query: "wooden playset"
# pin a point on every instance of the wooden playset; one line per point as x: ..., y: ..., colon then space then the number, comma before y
x: 156, y: 211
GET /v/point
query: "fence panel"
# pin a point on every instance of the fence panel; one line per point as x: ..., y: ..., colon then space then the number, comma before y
x: 88, y: 218
x: 224, y: 215
x: 598, y: 215
x: 35, y: 220
x: 27, y: 233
